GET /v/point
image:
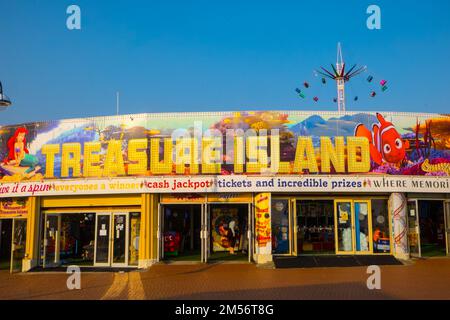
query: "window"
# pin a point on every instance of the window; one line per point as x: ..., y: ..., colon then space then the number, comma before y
x: 280, y: 226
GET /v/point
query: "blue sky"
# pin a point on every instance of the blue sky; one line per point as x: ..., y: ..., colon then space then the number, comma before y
x: 217, y: 56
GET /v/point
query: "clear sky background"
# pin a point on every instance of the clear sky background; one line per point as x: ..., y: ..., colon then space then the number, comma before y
x: 217, y: 55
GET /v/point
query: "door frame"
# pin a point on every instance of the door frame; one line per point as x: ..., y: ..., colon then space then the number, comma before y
x: 352, y: 202
x: 160, y: 231
x: 206, y: 212
x: 416, y: 202
x: 12, y: 242
x: 369, y: 225
x: 444, y: 201
x: 352, y: 226
x: 205, y: 228
x: 11, y: 239
x: 56, y: 260
x: 111, y: 239
x: 127, y: 239
x: 292, y: 225
x: 103, y: 264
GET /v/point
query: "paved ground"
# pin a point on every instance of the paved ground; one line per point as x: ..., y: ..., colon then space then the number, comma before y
x: 422, y: 279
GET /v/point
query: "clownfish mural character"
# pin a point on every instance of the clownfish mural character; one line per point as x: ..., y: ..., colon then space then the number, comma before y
x: 385, y: 143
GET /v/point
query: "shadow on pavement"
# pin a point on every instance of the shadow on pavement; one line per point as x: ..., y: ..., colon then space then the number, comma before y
x: 340, y: 291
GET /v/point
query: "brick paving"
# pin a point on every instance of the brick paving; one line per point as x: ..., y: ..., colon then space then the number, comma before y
x: 421, y: 279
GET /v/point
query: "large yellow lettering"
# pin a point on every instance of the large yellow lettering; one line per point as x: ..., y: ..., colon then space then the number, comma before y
x: 277, y: 166
x: 186, y: 152
x: 50, y: 150
x: 137, y: 155
x: 91, y: 160
x: 211, y: 154
x: 355, y: 145
x: 158, y: 166
x: 332, y: 155
x: 256, y: 153
x: 114, y: 160
x: 71, y: 157
x: 305, y: 147
x: 238, y: 154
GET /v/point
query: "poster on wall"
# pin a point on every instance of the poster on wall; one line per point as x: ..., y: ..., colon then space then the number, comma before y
x: 263, y: 223
x: 135, y: 226
x: 225, y: 231
x: 13, y: 207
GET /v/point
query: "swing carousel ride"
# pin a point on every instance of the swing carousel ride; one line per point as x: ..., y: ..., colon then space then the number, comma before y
x: 341, y: 75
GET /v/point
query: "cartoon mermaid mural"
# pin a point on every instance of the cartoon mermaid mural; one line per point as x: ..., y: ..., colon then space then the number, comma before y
x: 19, y: 156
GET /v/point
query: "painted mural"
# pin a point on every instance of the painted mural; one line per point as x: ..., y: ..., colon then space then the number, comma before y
x: 306, y: 143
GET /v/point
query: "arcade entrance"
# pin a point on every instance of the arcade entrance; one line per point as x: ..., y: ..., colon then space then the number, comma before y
x: 98, y: 239
x: 205, y: 232
x: 12, y: 244
x: 327, y: 226
x: 181, y: 232
x: 229, y: 232
x: 428, y: 222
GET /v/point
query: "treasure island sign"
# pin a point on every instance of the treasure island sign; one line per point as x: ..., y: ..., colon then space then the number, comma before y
x: 69, y: 158
x: 253, y: 154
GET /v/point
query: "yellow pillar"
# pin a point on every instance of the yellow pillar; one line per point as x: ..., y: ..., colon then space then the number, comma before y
x: 148, y: 242
x: 31, y: 258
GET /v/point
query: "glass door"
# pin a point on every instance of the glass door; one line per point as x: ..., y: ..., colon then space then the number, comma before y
x: 281, y: 243
x: 52, y: 227
x: 102, y: 239
x: 344, y: 227
x: 18, y: 244
x: 353, y: 227
x: 363, y: 226
x: 413, y: 229
x: 6, y: 230
x: 447, y: 225
x: 120, y: 240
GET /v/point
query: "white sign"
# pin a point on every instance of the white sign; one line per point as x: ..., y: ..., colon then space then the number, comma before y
x: 103, y: 232
x: 230, y: 183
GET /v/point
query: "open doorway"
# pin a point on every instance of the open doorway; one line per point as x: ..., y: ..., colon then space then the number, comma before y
x: 229, y: 225
x: 77, y: 239
x: 12, y: 243
x: 315, y: 221
x: 432, y: 228
x: 181, y: 232
x: 5, y: 243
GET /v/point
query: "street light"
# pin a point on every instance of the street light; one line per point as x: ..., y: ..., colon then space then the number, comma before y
x: 5, y: 102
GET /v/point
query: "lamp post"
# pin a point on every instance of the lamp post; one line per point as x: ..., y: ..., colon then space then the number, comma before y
x: 5, y: 102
